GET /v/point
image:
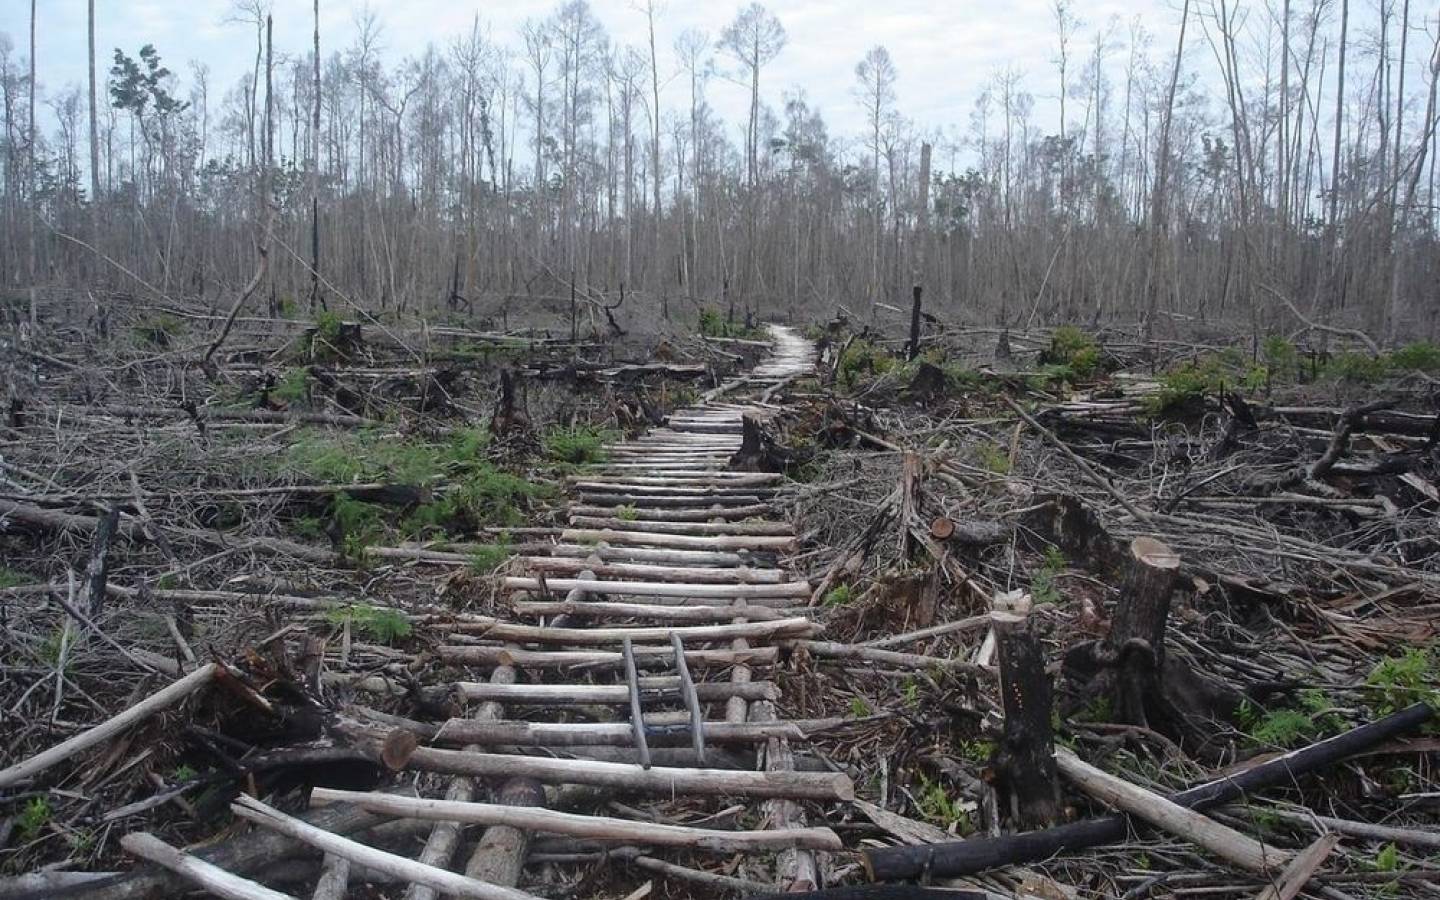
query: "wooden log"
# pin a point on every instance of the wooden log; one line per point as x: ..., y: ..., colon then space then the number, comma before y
x: 660, y: 780
x: 1301, y: 869
x: 599, y: 828
x: 1221, y: 840
x: 665, y: 501
x: 241, y: 853
x: 54, y: 520
x: 833, y: 650
x: 499, y: 856
x: 334, y: 880
x: 520, y: 733
x: 795, y: 868
x: 752, y: 492
x: 662, y: 589
x: 933, y: 631
x: 360, y: 854
x: 728, y: 513
x: 706, y: 528
x: 1389, y: 834
x: 978, y: 854
x: 658, y: 613
x: 91, y: 737
x: 663, y: 687
x: 641, y: 572
x: 494, y: 628
x: 607, y: 553
x: 1024, y: 759
x: 713, y: 479
x: 708, y: 542
x: 212, y: 878
x: 560, y: 659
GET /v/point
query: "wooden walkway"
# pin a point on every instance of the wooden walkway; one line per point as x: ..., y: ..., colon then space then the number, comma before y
x: 663, y: 601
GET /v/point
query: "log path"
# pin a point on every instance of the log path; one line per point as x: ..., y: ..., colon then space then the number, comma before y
x: 634, y: 658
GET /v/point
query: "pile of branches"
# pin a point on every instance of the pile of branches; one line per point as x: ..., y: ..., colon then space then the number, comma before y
x: 1289, y: 537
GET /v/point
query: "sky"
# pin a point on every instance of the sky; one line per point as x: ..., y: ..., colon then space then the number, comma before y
x: 945, y: 52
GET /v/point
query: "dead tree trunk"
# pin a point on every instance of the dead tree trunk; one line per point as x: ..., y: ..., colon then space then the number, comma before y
x: 1024, y: 761
x: 912, y: 349
x: 97, y: 571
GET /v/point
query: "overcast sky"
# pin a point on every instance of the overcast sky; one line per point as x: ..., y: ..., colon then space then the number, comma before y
x: 945, y: 51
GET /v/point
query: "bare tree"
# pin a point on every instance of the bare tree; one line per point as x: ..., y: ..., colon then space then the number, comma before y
x: 875, y: 76
x: 753, y: 40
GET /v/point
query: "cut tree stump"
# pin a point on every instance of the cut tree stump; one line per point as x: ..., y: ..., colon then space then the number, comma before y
x: 1137, y: 632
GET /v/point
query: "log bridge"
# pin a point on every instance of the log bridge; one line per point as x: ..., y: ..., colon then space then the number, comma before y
x: 657, y: 615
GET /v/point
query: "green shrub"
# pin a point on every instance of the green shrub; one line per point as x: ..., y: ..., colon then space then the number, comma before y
x: 1281, y: 358
x: 576, y: 446
x: 379, y: 623
x: 486, y: 558
x: 1074, y: 350
x: 11, y: 578
x: 1359, y: 368
x: 862, y: 356
x: 714, y: 324
x: 1404, y: 680
x: 293, y: 386
x: 839, y: 595
x: 993, y: 458
x: 158, y: 329
x: 1186, y: 386
x: 1418, y: 357
x: 936, y: 805
x: 34, y: 816
x: 1043, y: 588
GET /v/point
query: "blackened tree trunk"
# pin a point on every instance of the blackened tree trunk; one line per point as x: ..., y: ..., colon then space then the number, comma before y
x: 1024, y: 761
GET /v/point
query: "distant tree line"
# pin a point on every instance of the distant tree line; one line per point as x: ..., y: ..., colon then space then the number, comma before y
x: 1276, y: 164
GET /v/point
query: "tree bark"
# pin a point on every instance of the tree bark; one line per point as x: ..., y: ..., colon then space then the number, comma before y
x: 1024, y: 760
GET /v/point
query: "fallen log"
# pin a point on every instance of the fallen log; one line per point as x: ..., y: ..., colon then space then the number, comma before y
x: 780, y: 529
x: 1221, y: 840
x: 242, y: 853
x: 584, y: 826
x: 606, y: 610
x: 253, y: 810
x: 497, y: 630
x: 663, y: 687
x: 1301, y: 869
x: 212, y: 878
x: 642, y: 572
x: 833, y: 650
x: 91, y: 737
x: 562, y: 659
x: 967, y: 857
x: 520, y: 733
x: 678, y: 541
x: 662, y: 589
x: 623, y: 776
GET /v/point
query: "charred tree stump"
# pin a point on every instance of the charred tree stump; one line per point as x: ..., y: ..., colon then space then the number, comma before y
x: 1136, y: 643
x: 508, y: 417
x: 758, y: 451
x: 912, y: 349
x: 98, y: 568
x: 1063, y: 521
x: 1024, y: 762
